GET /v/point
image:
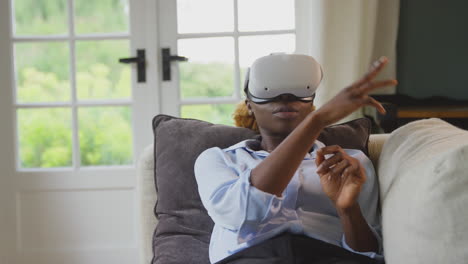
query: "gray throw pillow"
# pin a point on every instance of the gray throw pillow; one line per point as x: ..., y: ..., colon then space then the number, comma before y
x: 184, y: 229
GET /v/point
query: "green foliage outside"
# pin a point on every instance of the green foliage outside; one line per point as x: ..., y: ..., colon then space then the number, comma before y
x: 33, y: 17
x: 45, y: 137
x: 45, y: 134
x: 98, y: 16
x: 214, y: 113
x: 207, y: 80
x: 43, y: 76
x: 99, y: 75
x: 105, y: 135
x: 104, y: 132
x: 42, y: 72
x: 50, y: 17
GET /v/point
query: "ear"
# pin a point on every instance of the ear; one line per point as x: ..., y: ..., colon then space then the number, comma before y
x: 312, y: 103
x: 247, y: 102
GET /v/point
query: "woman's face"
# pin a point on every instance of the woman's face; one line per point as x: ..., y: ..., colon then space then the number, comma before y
x: 280, y: 117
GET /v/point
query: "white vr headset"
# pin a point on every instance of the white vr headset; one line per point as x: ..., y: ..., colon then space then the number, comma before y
x: 277, y: 74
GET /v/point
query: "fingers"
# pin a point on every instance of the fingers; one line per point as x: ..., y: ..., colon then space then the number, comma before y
x: 374, y: 103
x: 324, y: 151
x: 376, y: 67
x: 319, y: 158
x: 330, y: 149
x: 337, y: 164
x: 339, y: 168
x: 325, y: 166
x: 352, y: 168
x: 360, y: 93
x: 369, y: 86
x: 342, y: 170
x: 364, y: 85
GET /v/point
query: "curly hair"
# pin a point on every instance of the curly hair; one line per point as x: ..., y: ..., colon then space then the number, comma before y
x: 243, y: 119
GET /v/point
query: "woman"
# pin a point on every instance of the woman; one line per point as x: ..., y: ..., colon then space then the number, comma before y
x: 291, y: 199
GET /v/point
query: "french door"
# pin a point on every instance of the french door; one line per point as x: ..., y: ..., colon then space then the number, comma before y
x: 221, y: 38
x: 74, y: 121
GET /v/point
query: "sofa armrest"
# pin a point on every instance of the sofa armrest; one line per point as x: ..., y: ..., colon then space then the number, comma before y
x: 376, y: 142
x: 146, y: 199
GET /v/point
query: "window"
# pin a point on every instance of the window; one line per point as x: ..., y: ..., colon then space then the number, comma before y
x: 73, y: 99
x: 222, y: 45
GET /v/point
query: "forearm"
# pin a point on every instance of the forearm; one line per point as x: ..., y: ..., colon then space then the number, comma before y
x: 358, y: 234
x: 274, y: 173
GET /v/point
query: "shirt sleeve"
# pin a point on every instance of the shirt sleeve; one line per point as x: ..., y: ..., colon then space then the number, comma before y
x: 368, y: 201
x: 226, y: 192
x: 375, y: 255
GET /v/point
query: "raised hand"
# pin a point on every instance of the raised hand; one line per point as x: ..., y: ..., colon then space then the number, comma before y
x: 355, y: 96
x: 341, y: 176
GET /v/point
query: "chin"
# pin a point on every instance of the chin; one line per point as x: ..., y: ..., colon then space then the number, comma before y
x: 287, y: 128
x: 281, y: 127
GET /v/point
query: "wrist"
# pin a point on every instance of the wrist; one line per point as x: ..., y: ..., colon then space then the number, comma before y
x: 319, y: 119
x: 349, y: 211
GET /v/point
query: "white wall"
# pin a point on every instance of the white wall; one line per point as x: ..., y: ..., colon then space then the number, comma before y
x: 6, y: 117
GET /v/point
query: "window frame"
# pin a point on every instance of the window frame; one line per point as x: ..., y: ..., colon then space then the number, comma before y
x: 71, y: 39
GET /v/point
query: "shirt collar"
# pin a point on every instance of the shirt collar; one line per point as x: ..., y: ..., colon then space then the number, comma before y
x: 244, y: 145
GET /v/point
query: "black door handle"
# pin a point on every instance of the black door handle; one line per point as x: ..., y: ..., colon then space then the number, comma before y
x: 167, y: 59
x: 140, y: 60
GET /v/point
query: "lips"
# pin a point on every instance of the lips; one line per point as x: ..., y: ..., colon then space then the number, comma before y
x: 284, y: 109
x: 286, y: 112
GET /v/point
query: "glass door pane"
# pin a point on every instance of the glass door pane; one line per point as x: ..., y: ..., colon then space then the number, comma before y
x: 262, y: 15
x: 105, y: 135
x: 45, y: 137
x: 103, y: 16
x: 33, y: 17
x: 210, y: 70
x: 214, y: 113
x: 204, y: 16
x: 98, y: 75
x: 42, y: 72
x: 73, y: 97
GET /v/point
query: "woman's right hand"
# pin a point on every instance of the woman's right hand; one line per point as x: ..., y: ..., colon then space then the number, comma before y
x: 355, y: 96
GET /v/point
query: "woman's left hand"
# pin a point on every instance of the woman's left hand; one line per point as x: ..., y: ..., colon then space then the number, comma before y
x: 341, y: 176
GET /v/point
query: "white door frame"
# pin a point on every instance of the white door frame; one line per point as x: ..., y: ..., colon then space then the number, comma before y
x: 7, y: 161
x: 144, y: 22
x: 167, y: 39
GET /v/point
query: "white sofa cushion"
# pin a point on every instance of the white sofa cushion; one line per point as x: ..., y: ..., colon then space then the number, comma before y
x: 423, y: 175
x: 147, y: 197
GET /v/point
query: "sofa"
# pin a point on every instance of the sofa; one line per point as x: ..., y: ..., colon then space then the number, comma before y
x: 422, y: 169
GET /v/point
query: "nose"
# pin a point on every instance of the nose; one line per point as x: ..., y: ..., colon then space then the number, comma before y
x: 286, y: 97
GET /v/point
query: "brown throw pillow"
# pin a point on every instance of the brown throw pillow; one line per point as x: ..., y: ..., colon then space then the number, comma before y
x: 184, y: 228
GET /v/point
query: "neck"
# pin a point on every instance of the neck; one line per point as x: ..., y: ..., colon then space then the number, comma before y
x: 270, y: 142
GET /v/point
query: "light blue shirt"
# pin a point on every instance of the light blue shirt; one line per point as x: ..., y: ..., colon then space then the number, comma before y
x: 245, y: 216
